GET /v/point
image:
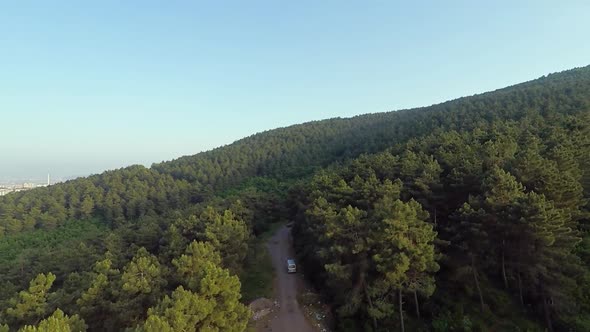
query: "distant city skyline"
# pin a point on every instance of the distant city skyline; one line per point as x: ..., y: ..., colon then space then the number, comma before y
x: 87, y: 87
x: 36, y: 179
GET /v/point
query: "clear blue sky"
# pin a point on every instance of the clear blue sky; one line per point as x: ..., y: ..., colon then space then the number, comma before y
x: 91, y: 85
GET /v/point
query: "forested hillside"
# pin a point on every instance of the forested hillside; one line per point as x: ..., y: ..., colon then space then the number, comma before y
x: 470, y: 215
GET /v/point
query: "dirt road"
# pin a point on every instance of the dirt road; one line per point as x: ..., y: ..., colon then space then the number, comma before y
x: 289, y: 317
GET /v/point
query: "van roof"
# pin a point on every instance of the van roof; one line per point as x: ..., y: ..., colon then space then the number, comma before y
x: 290, y: 261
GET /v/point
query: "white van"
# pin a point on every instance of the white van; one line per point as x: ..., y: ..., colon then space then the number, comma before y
x: 291, y: 267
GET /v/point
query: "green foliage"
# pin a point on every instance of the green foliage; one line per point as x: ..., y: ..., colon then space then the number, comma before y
x: 31, y: 305
x: 258, y: 273
x: 493, y: 189
x: 125, y: 194
x: 367, y: 246
x: 504, y: 193
x: 58, y: 322
x: 190, y: 266
x: 184, y: 311
x: 228, y: 235
x: 28, y: 254
x: 212, y: 299
x: 448, y: 322
x: 189, y: 311
x: 143, y: 275
x: 96, y: 302
x: 229, y: 314
x: 13, y: 246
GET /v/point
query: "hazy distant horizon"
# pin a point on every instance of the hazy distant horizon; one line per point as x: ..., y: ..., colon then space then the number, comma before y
x: 37, y: 173
x: 96, y: 86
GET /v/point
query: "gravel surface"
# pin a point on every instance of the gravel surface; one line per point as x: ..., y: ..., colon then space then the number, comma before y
x: 288, y: 315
